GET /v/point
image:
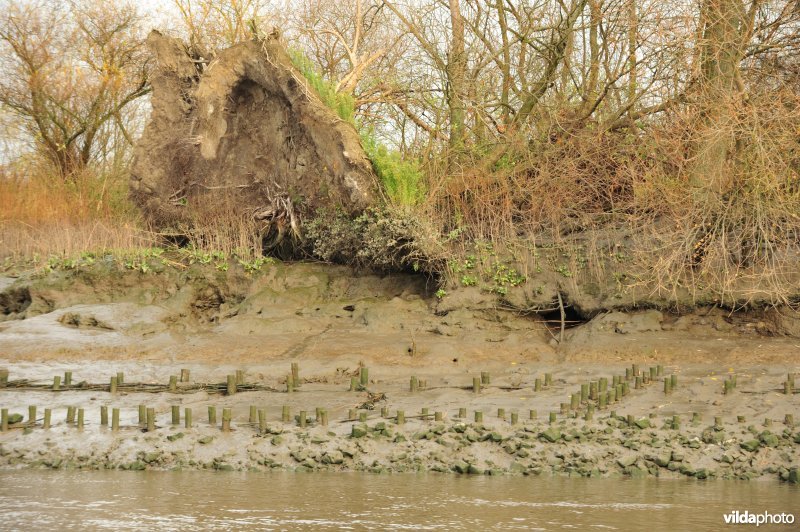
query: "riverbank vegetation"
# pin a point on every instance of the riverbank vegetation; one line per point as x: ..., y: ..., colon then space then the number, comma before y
x: 583, y: 145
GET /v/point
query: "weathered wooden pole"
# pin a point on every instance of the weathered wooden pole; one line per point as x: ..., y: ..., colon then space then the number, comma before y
x: 354, y: 384
x: 80, y: 418
x: 32, y: 415
x: 262, y: 420
x: 4, y: 420
x: 56, y: 383
x: 187, y: 418
x: 537, y: 385
x: 184, y: 375
x: 364, y: 377
x: 142, y: 415
x: 115, y: 419
x: 70, y: 415
x: 323, y: 417
x: 476, y: 384
x: 478, y: 416
x: 301, y: 422
x: 514, y: 418
x: 176, y: 414
x: 548, y: 379
x: 231, y: 384
x: 173, y: 383
x: 486, y: 378
x: 501, y: 413
x: 401, y: 417
x: 112, y: 388
x: 3, y: 378
x: 47, y: 415
x: 212, y: 415
x: 253, y: 414
x: 239, y: 376
x: 226, y: 420
x: 67, y: 379
x: 462, y: 412
x: 285, y: 414
x: 151, y: 419
x: 296, y: 374
x: 104, y: 416
x: 120, y: 378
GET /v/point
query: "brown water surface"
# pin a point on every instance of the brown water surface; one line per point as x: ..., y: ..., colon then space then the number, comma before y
x: 116, y: 500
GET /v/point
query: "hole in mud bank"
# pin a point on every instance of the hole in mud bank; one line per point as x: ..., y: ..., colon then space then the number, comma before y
x: 15, y: 301
x: 572, y: 317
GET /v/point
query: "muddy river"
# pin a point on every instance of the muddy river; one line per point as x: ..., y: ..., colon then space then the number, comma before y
x: 65, y: 500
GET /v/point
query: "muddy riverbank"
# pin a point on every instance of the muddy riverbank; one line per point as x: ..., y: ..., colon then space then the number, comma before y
x: 331, y: 322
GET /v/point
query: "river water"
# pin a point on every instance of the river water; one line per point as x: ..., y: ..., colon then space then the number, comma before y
x: 117, y: 500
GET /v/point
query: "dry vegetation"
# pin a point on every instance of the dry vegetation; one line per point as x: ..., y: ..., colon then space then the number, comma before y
x: 672, y: 125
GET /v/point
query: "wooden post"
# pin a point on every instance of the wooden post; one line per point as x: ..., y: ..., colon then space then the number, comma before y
x: 635, y: 368
x: 637, y: 383
x: 789, y: 420
x: 32, y: 415
x: 673, y: 381
x: 602, y: 385
x: 3, y: 378
x: 104, y: 416
x: 740, y: 419
x: 385, y: 412
x: 401, y: 417
x: 659, y: 371
x: 184, y: 375
x: 767, y: 422
x: 552, y: 417
x: 47, y: 414
x: 601, y: 401
x: 564, y: 408
x: 142, y: 415
x: 589, y: 412
x: 231, y: 384
x: 787, y: 387
x: 630, y: 420
x: 56, y: 383
x: 239, y: 376
x: 486, y: 379
x: 226, y: 419
x: 414, y: 384
x: 548, y: 379
x: 173, y: 383
x: 628, y: 374
x: 717, y: 422
x: 323, y: 417
x: 187, y: 418
x: 70, y: 415
x: 423, y: 412
x: 514, y: 418
x: 80, y: 418
x: 438, y: 416
x: 112, y: 388
x: 625, y: 389
x: 532, y: 414
x: 352, y: 414
x: 676, y: 422
x: 4, y: 420
x: 501, y: 413
x: 423, y: 384
x: 120, y: 378
x: 212, y: 415
x: 114, y: 419
x: 151, y: 419
x: 478, y: 416
x: 253, y: 414
x: 262, y: 421
x: 476, y: 384
x: 593, y: 391
x: 584, y: 393
x: 726, y: 387
x: 362, y: 417
x: 289, y: 383
x: 364, y: 377
x: 462, y: 413
x: 575, y: 401
x: 353, y: 384
x: 667, y: 386
x: 176, y: 415
x: 285, y: 414
x: 67, y: 379
x: 302, y: 418
x: 537, y: 385
x: 696, y: 417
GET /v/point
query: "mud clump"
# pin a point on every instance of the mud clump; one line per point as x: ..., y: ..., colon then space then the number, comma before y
x: 244, y: 131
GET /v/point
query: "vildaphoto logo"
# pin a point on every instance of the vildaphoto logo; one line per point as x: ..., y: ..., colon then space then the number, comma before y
x: 764, y: 518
